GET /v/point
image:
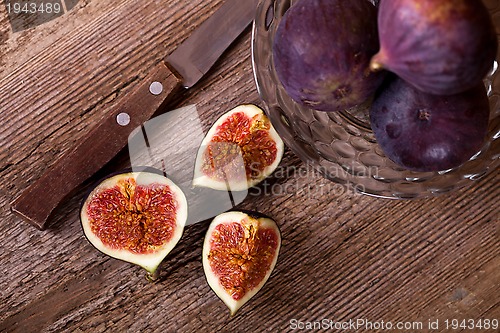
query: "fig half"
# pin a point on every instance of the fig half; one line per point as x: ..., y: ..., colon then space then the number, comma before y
x: 137, y: 217
x: 241, y: 149
x: 239, y: 254
x: 322, y: 51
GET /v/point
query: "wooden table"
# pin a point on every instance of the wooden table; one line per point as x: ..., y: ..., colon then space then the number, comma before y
x: 344, y: 256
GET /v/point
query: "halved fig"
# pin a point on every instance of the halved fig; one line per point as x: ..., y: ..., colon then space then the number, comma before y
x: 240, y: 150
x: 239, y: 254
x: 137, y: 217
x: 322, y: 50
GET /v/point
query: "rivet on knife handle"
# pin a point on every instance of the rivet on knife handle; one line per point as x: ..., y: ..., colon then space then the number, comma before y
x: 37, y: 203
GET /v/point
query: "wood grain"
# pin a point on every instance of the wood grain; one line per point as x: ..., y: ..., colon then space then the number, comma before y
x: 344, y: 256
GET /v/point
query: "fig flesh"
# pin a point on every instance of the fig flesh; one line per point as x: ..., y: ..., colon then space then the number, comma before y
x: 241, y: 149
x: 322, y: 51
x: 239, y: 254
x: 425, y: 132
x: 441, y: 47
x: 137, y: 217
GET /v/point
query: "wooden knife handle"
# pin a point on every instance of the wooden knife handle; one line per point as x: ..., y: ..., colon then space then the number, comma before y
x: 97, y: 148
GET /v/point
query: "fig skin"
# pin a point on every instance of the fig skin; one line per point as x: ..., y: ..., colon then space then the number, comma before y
x: 441, y: 47
x: 259, y: 237
x: 426, y: 132
x: 322, y: 50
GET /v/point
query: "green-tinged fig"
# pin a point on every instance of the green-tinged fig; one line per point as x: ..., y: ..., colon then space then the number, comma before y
x: 322, y: 51
x: 241, y: 149
x: 426, y: 132
x: 441, y: 47
x: 239, y: 254
x: 137, y: 217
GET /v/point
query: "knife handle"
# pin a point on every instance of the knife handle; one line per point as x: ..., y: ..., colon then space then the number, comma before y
x: 98, y: 147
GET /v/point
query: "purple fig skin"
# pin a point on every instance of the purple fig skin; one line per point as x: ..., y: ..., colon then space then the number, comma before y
x: 322, y: 50
x: 426, y: 132
x: 442, y: 47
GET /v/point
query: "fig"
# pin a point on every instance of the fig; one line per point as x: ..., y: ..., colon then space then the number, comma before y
x: 322, y: 51
x: 137, y: 217
x: 426, y: 132
x: 239, y: 254
x: 441, y: 47
x: 241, y: 149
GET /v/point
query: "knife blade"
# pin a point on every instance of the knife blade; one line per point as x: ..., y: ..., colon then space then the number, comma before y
x: 183, y: 68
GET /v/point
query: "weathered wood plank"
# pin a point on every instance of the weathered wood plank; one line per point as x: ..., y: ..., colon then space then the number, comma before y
x: 344, y: 256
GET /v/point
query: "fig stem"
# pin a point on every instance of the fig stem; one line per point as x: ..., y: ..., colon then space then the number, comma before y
x: 152, y: 277
x: 377, y: 62
x: 376, y: 66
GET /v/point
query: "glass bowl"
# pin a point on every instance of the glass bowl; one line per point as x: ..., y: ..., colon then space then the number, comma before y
x: 341, y: 145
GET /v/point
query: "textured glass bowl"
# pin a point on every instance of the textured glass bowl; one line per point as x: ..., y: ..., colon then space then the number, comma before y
x: 341, y: 145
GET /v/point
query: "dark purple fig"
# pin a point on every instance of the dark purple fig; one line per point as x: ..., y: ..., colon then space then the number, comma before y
x: 440, y: 46
x: 240, y: 150
x: 322, y: 50
x: 426, y: 132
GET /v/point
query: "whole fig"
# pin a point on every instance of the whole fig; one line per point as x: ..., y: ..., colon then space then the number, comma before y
x: 440, y: 46
x: 426, y: 132
x: 322, y: 51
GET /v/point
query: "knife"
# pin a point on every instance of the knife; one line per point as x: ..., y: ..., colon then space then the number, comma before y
x: 181, y: 69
